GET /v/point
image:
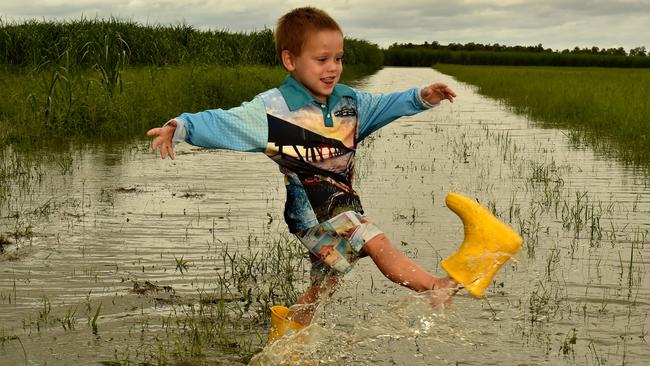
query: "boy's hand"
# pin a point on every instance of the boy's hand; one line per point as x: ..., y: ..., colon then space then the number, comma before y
x: 163, y: 139
x: 436, y: 93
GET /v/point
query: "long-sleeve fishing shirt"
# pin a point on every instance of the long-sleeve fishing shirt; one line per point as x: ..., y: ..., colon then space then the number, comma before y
x: 314, y: 143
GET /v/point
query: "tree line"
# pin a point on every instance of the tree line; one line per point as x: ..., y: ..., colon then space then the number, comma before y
x: 428, y: 54
x: 496, y: 47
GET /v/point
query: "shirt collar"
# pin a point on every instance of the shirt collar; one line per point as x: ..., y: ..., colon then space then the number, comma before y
x: 297, y: 96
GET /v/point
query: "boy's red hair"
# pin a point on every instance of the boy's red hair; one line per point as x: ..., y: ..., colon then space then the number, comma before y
x: 295, y: 26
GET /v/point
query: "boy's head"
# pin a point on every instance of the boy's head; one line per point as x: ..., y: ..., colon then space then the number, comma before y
x: 295, y: 27
x: 310, y: 45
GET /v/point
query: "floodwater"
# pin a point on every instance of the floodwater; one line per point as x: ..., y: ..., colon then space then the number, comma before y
x: 111, y: 249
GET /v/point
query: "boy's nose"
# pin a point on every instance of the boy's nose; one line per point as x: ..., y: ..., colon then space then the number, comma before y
x: 332, y: 66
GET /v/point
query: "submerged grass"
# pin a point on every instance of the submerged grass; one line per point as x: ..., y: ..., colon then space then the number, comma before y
x: 229, y: 320
x: 563, y: 225
x: 595, y: 102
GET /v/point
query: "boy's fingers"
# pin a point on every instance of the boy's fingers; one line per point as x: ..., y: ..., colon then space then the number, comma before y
x: 159, y: 141
x: 449, y: 91
x: 440, y: 90
x: 153, y: 131
x: 449, y: 97
x: 443, y: 88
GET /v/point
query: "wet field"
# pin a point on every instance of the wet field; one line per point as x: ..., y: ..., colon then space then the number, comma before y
x: 114, y: 256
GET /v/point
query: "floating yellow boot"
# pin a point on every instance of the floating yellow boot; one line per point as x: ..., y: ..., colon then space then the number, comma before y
x: 487, y: 245
x: 280, y: 323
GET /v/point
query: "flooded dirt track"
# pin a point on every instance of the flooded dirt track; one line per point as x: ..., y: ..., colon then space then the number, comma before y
x: 107, y: 248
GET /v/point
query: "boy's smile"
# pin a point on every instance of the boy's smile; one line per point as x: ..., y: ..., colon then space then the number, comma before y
x: 320, y: 63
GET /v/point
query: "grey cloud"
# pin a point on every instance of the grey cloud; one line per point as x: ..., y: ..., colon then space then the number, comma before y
x: 554, y: 23
x: 600, y: 7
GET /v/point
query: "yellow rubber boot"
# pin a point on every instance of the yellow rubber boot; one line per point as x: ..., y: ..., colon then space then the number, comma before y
x: 487, y: 245
x: 280, y: 323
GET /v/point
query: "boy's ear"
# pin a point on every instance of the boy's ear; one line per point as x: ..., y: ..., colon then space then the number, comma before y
x: 288, y: 61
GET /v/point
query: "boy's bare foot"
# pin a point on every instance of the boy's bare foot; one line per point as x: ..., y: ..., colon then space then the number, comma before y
x: 444, y: 282
x: 443, y: 291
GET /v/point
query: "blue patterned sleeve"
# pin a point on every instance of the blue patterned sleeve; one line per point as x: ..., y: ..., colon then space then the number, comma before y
x: 376, y: 111
x: 242, y: 128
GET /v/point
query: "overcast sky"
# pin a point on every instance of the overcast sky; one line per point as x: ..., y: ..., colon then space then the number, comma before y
x: 557, y: 24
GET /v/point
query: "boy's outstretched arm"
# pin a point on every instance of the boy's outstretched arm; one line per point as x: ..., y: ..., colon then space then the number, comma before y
x: 242, y: 128
x: 163, y: 139
x: 436, y: 93
x: 376, y: 111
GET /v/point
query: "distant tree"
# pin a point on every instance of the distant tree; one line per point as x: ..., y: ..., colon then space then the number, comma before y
x: 455, y: 46
x: 638, y: 51
x: 471, y: 46
x: 616, y: 51
x: 539, y: 48
x: 497, y: 47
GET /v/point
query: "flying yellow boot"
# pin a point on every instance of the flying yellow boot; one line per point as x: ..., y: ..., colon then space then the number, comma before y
x: 280, y: 323
x: 487, y: 245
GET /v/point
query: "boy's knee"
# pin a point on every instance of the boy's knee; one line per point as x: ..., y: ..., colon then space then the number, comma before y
x: 365, y: 233
x: 376, y: 245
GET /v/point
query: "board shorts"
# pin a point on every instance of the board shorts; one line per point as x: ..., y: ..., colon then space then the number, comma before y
x: 337, y: 243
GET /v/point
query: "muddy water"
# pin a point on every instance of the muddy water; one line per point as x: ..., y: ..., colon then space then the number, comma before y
x: 97, y: 224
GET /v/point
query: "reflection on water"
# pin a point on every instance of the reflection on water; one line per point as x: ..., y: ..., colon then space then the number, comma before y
x: 84, y: 230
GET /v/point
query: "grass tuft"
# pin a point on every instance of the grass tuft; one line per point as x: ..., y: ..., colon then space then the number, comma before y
x: 595, y: 102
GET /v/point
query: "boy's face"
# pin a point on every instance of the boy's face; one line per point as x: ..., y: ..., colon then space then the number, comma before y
x: 319, y: 65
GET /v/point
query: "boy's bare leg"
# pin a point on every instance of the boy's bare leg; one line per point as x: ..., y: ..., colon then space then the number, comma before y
x: 303, y: 310
x: 393, y: 264
x: 402, y: 270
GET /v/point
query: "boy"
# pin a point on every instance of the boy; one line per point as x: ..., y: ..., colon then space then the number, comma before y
x: 310, y: 126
